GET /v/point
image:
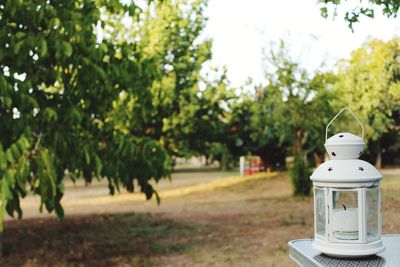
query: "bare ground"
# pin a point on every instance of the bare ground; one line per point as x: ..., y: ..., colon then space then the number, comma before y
x: 215, y: 221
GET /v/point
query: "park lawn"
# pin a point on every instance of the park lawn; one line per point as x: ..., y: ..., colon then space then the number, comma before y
x: 236, y: 222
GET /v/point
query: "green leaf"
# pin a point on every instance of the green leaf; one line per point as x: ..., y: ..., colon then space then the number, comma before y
x: 104, y: 47
x: 47, y: 178
x: 9, y: 175
x: 148, y: 191
x: 13, y: 204
x: 9, y: 156
x: 59, y: 210
x: 8, y: 101
x: 157, y: 197
x: 22, y: 175
x: 99, y: 165
x: 16, y: 205
x: 111, y: 189
x: 43, y: 47
x: 15, y: 151
x: 50, y: 115
x: 2, y: 213
x: 55, y: 22
x: 61, y: 187
x: 5, y: 190
x: 20, y: 35
x: 3, y: 159
x: 324, y: 12
x: 23, y: 143
x: 87, y: 155
x: 100, y: 71
x: 130, y: 186
x: 67, y: 49
x: 17, y: 46
x: 74, y: 116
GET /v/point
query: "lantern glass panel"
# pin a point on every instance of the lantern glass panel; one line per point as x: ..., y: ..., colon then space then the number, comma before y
x: 320, y: 211
x: 372, y: 213
x: 345, y: 215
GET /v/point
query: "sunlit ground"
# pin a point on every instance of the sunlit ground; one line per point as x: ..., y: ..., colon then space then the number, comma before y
x: 214, y: 221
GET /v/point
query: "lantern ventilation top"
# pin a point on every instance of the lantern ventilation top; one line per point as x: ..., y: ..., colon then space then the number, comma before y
x: 344, y: 145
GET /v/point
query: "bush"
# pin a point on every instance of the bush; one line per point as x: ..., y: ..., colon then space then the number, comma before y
x: 300, y: 176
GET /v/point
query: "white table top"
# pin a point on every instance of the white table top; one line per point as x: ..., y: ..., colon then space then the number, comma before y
x: 302, y: 252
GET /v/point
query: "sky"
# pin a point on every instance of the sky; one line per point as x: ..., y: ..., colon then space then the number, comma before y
x: 241, y: 29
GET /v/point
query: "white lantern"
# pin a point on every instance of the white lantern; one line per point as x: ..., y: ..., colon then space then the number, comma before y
x: 347, y: 199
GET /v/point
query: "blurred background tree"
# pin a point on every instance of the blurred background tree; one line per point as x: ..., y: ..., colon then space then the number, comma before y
x: 298, y: 104
x: 369, y: 83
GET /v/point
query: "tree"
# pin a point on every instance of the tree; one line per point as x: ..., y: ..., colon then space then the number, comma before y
x: 369, y: 83
x: 207, y: 125
x: 298, y: 105
x: 251, y: 130
x: 79, y: 104
x: 185, y: 107
x: 390, y: 8
x: 285, y: 117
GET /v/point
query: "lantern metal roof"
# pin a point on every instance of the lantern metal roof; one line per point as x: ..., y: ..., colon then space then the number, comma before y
x: 346, y: 173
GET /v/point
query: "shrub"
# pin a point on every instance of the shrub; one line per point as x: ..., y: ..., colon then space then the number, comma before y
x: 300, y: 176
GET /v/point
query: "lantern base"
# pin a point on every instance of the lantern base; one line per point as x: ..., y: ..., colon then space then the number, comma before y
x: 345, y: 250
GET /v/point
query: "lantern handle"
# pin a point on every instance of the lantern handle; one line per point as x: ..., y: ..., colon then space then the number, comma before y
x: 352, y: 113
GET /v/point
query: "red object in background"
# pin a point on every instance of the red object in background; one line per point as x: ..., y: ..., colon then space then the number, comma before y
x: 248, y: 171
x: 253, y: 164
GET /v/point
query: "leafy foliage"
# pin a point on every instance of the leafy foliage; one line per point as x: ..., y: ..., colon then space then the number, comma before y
x: 284, y: 117
x: 183, y: 115
x: 390, y: 8
x: 298, y: 100
x: 369, y: 83
x: 299, y: 108
x: 83, y: 95
x: 300, y: 176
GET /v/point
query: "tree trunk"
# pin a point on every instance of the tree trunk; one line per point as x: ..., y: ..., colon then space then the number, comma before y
x: 298, y: 142
x: 1, y: 244
x: 378, y: 161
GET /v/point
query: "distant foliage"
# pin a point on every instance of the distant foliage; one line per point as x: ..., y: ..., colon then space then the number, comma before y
x: 300, y: 176
x: 390, y: 8
x: 369, y: 83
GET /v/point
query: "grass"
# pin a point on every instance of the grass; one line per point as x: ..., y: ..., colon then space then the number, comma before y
x: 233, y: 222
x: 132, y: 239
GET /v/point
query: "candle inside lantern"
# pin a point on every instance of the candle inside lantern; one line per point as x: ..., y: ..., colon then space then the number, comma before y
x: 345, y: 223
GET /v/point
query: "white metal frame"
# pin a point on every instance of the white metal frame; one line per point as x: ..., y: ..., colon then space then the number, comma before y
x: 378, y: 213
x: 360, y: 214
x: 317, y: 235
x: 330, y: 245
